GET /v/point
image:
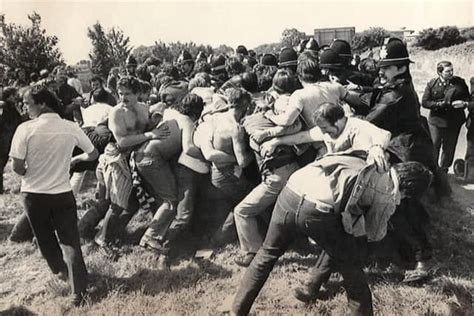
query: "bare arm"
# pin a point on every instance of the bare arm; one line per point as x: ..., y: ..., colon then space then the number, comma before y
x: 308, y: 136
x: 19, y: 166
x: 284, y: 119
x: 93, y: 155
x: 241, y: 150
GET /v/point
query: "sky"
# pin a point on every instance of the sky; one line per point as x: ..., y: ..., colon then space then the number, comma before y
x: 233, y: 23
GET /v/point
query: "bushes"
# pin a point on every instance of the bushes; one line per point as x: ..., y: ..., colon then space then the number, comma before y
x: 369, y: 38
x: 444, y: 36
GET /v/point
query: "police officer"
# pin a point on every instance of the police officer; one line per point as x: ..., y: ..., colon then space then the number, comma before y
x: 446, y: 97
x: 186, y: 65
x: 350, y: 73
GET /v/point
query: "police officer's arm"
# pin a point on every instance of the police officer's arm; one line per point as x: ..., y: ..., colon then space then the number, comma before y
x: 385, y: 108
x: 357, y: 102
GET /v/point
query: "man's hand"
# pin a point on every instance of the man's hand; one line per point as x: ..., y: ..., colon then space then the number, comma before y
x: 352, y: 86
x: 161, y: 132
x: 268, y: 148
x: 376, y: 155
x: 259, y: 136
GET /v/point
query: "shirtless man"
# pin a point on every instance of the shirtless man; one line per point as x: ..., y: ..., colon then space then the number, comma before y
x: 128, y: 122
x: 223, y: 144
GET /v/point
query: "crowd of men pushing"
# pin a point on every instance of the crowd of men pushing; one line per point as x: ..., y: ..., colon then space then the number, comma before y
x: 300, y: 144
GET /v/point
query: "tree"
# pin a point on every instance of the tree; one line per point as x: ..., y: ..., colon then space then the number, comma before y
x: 445, y: 36
x: 370, y: 38
x: 109, y: 49
x: 292, y: 37
x: 28, y: 48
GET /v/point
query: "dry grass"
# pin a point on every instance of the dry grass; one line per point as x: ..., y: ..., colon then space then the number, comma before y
x: 133, y: 286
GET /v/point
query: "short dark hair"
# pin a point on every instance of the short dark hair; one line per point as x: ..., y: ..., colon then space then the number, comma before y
x: 41, y: 94
x: 8, y: 92
x: 234, y: 66
x: 131, y: 83
x: 442, y: 64
x: 237, y: 97
x: 329, y: 112
x: 100, y: 96
x: 284, y: 81
x: 98, y: 79
x: 250, y: 81
x: 191, y: 105
x: 171, y: 71
x: 202, y: 66
x: 413, y: 178
x: 308, y: 66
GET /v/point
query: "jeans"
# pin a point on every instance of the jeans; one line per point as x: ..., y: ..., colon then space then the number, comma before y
x: 159, y: 181
x: 235, y: 187
x: 294, y: 215
x: 445, y: 139
x: 53, y: 218
x: 256, y: 202
x: 188, y: 182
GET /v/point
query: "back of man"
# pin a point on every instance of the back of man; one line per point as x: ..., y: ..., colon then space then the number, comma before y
x: 48, y: 170
x: 312, y: 95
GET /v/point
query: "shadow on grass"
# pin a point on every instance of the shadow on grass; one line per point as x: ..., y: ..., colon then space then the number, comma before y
x: 152, y: 282
x: 17, y: 311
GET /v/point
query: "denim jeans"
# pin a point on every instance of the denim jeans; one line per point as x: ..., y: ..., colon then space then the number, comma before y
x: 294, y: 215
x: 188, y: 182
x: 53, y: 218
x: 235, y: 187
x: 256, y: 202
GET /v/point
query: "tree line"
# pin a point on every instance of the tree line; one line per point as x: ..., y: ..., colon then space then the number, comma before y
x: 30, y: 48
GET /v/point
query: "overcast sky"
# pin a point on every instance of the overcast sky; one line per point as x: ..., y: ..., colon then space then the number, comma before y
x: 228, y: 22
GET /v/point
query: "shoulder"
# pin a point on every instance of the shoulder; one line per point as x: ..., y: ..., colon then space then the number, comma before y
x: 432, y: 82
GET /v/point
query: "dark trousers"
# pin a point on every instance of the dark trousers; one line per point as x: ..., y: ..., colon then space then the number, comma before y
x: 409, y: 223
x: 294, y: 215
x: 53, y: 218
x: 444, y: 139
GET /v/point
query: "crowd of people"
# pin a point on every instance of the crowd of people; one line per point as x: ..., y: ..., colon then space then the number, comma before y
x: 267, y: 149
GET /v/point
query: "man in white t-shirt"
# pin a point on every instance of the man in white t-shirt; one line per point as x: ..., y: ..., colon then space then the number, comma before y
x: 42, y: 154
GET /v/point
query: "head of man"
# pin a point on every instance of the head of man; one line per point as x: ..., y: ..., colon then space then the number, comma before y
x: 61, y: 76
x: 331, y: 119
x: 38, y: 100
x: 445, y: 70
x: 250, y: 81
x: 128, y: 90
x: 96, y: 82
x: 186, y: 62
x: 239, y: 101
x: 413, y: 178
x: 131, y: 65
x: 394, y: 60
x: 284, y: 81
x: 191, y: 105
x: 308, y: 67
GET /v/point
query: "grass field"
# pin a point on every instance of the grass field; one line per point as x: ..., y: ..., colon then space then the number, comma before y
x: 132, y: 285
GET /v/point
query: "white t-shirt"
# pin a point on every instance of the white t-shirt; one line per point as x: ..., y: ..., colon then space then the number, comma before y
x: 95, y: 113
x: 308, y: 99
x: 46, y: 144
